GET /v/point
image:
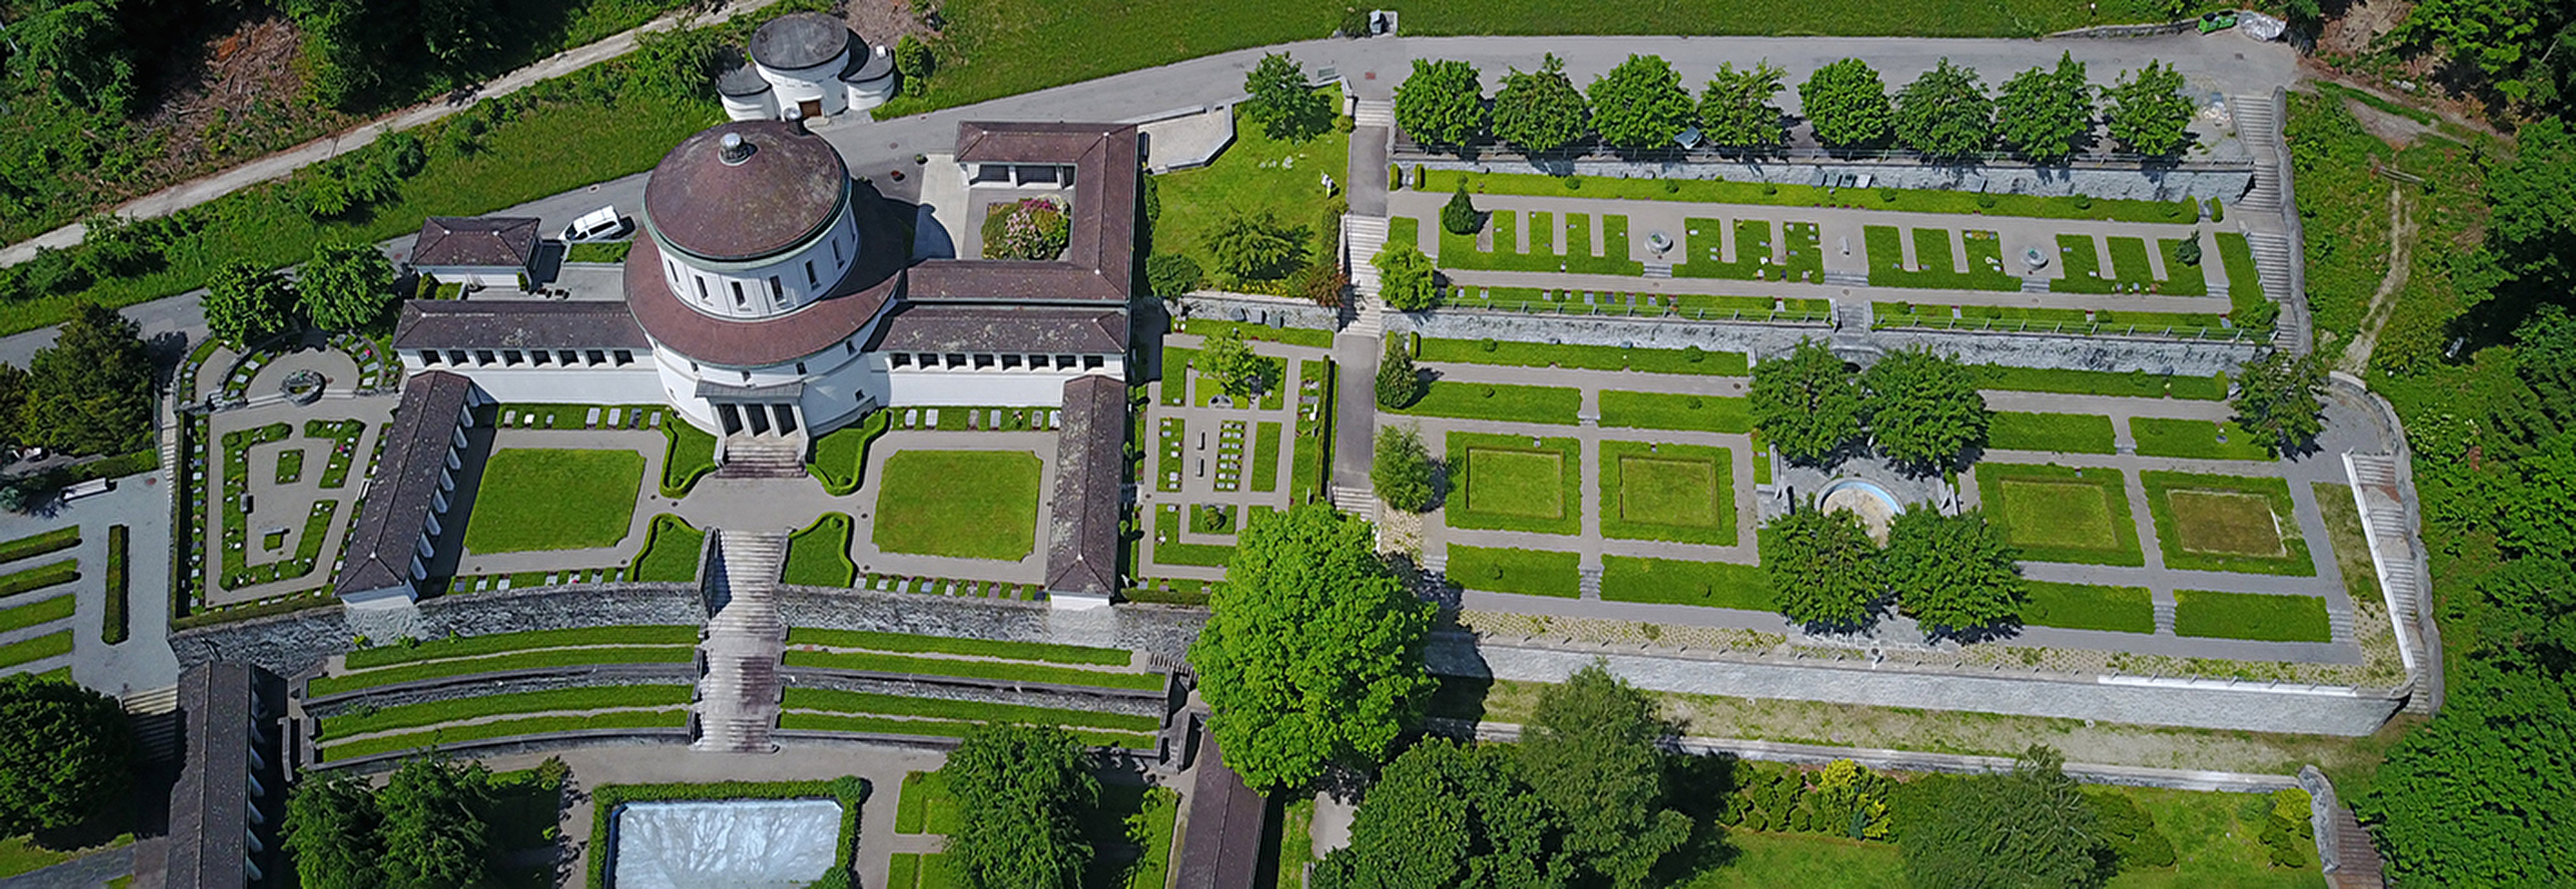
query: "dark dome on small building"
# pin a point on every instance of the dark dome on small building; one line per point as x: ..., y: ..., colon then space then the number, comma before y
x: 741, y: 80
x: 786, y: 185
x: 801, y: 40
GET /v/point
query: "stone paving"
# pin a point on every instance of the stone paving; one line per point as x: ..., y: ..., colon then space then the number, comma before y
x: 1202, y: 437
x: 276, y: 505
x: 144, y: 660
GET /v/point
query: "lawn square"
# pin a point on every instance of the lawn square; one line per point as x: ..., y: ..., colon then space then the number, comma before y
x: 1681, y: 493
x: 1665, y: 491
x: 2225, y: 522
x: 961, y: 504
x: 2060, y: 513
x: 554, y: 498
x: 2244, y: 524
x: 1514, y: 483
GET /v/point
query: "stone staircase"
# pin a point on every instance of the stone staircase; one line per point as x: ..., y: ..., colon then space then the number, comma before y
x: 738, y: 693
x: 1590, y: 584
x: 2258, y: 125
x: 2339, y: 625
x: 155, y: 715
x: 1847, y: 279
x: 1360, y: 502
x: 2388, y: 526
x: 1362, y: 237
x: 1374, y: 113
x: 2034, y: 284
x: 763, y: 456
x: 2164, y: 616
x: 2272, y: 260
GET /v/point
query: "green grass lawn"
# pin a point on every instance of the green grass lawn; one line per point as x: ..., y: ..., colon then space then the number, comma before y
x: 1552, y: 246
x: 2172, y: 437
x: 1525, y: 571
x: 2078, y: 606
x: 1514, y: 483
x: 1718, y: 191
x: 1713, y: 584
x: 841, y: 456
x: 2244, y: 281
x: 1676, y: 492
x: 2129, y: 384
x: 21, y: 854
x: 1551, y: 405
x: 1311, y: 337
x: 2263, y: 616
x: 2227, y: 523
x: 925, y: 805
x: 34, y: 545
x: 476, y: 646
x: 36, y: 649
x: 995, y: 670
x: 962, y: 504
x: 1701, y: 243
x: 671, y: 551
x: 517, y: 660
x: 1936, y: 260
x: 1265, y: 457
x: 2061, y: 514
x: 365, y: 721
x: 33, y: 613
x: 2215, y: 848
x: 554, y: 498
x: 688, y: 454
x: 1255, y: 174
x: 1521, y: 354
x: 628, y: 719
x: 1169, y: 550
x: 40, y: 577
x: 837, y: 701
x: 903, y: 642
x: 1799, y: 861
x: 2061, y: 433
x: 819, y: 555
x: 1666, y: 410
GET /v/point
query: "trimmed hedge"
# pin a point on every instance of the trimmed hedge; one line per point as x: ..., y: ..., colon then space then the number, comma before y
x: 34, y: 545
x: 113, y: 626
x: 688, y: 454
x: 671, y: 551
x: 900, y: 642
x: 819, y: 555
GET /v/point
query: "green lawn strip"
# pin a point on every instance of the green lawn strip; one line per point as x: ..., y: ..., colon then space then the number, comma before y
x: 1309, y: 456
x: 1938, y: 257
x: 496, y: 643
x: 925, y: 805
x: 671, y: 551
x: 961, y: 504
x: 518, y: 660
x: 938, y: 728
x: 2181, y: 278
x: 908, y: 643
x: 903, y: 870
x: 554, y: 498
x: 2264, y: 617
x: 1761, y: 460
x: 2220, y: 520
x: 1804, y: 261
x: 1004, y: 672
x: 2201, y: 325
x: 1762, y: 860
x: 2129, y: 384
x: 1668, y: 581
x: 1677, y: 492
x: 1296, y: 842
x: 2061, y: 514
x: 534, y: 725
x: 1294, y: 336
x: 2244, y: 279
x: 34, y: 545
x: 1553, y: 247
x: 1712, y: 191
x: 114, y: 622
x: 841, y: 455
x: 1552, y: 405
x: 688, y: 454
x: 1176, y: 374
x: 1515, y: 483
x: 36, y: 649
x: 38, y: 612
x: 599, y: 251
x: 862, y: 703
x: 2061, y: 433
x: 1169, y: 550
x: 819, y: 555
x: 1265, y: 457
x: 2176, y: 437
x: 1529, y: 572
x: 1521, y: 354
x: 367, y: 721
x: 40, y: 577
x: 1666, y: 410
x: 2081, y: 606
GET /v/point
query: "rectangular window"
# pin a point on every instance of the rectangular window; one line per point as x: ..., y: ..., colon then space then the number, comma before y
x: 1092, y: 362
x: 510, y: 358
x: 1064, y: 362
x: 483, y: 357
x: 738, y: 300
x: 624, y: 358
x: 983, y: 361
x: 541, y: 358
x: 569, y: 357
x: 456, y: 356
x: 702, y: 287
x: 1010, y: 362
x: 800, y: 367
x: 428, y: 357
x: 809, y: 274
x: 836, y: 250
x: 899, y: 359
x: 598, y: 357
x: 776, y: 293
x: 955, y: 360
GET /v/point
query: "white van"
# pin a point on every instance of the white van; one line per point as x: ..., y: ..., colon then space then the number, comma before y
x: 602, y: 224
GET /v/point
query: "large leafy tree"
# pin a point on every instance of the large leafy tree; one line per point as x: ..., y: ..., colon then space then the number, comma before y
x: 2280, y: 398
x: 1406, y: 280
x: 1441, y: 102
x: 1737, y: 111
x: 1806, y: 403
x: 2148, y: 112
x: 434, y: 834
x: 91, y: 391
x: 1846, y: 104
x: 246, y: 304
x: 2029, y: 827
x: 1288, y: 106
x: 1923, y: 408
x: 1448, y: 816
x: 1312, y: 654
x: 1640, y: 104
x: 347, y: 285
x: 1540, y: 111
x: 2045, y: 114
x: 1019, y: 790
x: 1824, y: 571
x: 1590, y: 752
x: 13, y: 405
x: 1231, y: 361
x: 2540, y: 515
x: 2520, y: 45
x: 82, y: 47
x: 1402, y: 471
x: 2534, y: 197
x: 331, y: 829
x: 1945, y: 113
x: 1955, y: 574
x: 2480, y: 795
x: 66, y: 752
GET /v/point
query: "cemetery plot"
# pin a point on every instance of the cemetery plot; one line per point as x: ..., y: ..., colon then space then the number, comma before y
x: 2227, y: 523
x: 1802, y: 259
x: 1682, y: 493
x: 961, y: 504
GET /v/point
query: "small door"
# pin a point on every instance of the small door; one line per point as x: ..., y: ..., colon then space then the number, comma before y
x: 810, y: 108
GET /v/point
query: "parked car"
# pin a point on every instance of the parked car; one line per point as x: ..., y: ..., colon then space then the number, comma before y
x: 602, y: 224
x: 2217, y: 21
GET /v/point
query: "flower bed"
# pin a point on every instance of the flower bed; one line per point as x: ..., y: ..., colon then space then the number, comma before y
x: 1029, y: 228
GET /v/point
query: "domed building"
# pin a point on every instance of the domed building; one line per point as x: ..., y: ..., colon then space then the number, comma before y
x: 807, y: 65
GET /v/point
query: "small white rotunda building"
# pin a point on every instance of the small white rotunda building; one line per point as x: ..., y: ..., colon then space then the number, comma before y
x: 807, y: 65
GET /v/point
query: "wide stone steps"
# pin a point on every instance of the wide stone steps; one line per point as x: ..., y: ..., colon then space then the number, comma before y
x: 155, y: 716
x: 749, y: 456
x: 1590, y: 584
x: 2034, y: 284
x: 738, y: 694
x: 2272, y: 260
x: 2259, y: 125
x: 1659, y: 270
x: 2339, y: 625
x: 1360, y: 502
x: 1374, y: 113
x: 2164, y: 616
x: 1847, y: 279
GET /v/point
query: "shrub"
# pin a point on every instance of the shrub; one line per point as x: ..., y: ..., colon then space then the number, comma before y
x: 1887, y: 194
x: 1986, y: 199
x: 2217, y: 212
x: 2083, y: 202
x: 2189, y: 252
x: 913, y: 60
x: 1398, y: 383
x: 1169, y: 275
x: 1672, y: 187
x: 1395, y: 177
x: 1573, y: 183
x: 1420, y: 178
x: 1460, y: 216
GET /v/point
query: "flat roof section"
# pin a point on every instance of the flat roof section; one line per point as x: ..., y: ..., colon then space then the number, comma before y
x: 516, y: 324
x: 1091, y: 449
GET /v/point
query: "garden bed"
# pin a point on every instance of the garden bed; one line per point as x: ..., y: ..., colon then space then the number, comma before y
x: 1514, y: 483
x: 2061, y: 514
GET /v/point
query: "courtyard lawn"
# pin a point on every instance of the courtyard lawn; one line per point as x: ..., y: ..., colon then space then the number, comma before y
x: 1265, y: 457
x: 1169, y: 550
x: 819, y: 555
x: 2061, y: 514
x: 2227, y: 523
x: 1496, y: 401
x: 1529, y: 572
x: 1666, y: 410
x: 1515, y: 483
x: 554, y: 498
x: 1670, y: 361
x: 671, y: 551
x: 1255, y: 174
x: 2081, y: 606
x: 1682, y: 493
x: 1712, y: 584
x: 1798, y: 861
x: 2060, y: 433
x: 2170, y: 437
x: 960, y: 504
x: 2262, y: 616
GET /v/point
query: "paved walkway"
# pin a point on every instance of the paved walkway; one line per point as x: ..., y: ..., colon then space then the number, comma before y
x: 143, y: 661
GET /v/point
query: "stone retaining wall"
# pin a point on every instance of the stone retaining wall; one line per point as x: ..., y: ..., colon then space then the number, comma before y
x: 462, y: 687
x: 2181, y: 358
x: 2227, y: 181
x: 1763, y: 340
x: 1255, y: 309
x: 295, y: 644
x: 1150, y: 704
x: 1165, y: 632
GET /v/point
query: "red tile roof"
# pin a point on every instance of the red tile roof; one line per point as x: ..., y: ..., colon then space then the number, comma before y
x: 793, y: 184
x: 884, y: 245
x: 1098, y: 264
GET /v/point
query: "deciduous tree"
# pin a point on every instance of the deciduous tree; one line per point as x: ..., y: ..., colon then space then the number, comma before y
x: 2520, y: 45
x: 1019, y: 790
x: 2148, y: 112
x: 1945, y: 113
x: 1540, y: 111
x: 1448, y: 816
x: 81, y: 47
x: 2280, y: 398
x: 66, y: 752
x: 1289, y: 108
x: 347, y: 285
x: 331, y: 829
x: 1923, y: 408
x: 1402, y: 472
x: 1737, y: 110
x: 1640, y: 104
x: 1233, y: 364
x: 246, y: 304
x: 1312, y: 653
x: 91, y: 391
x: 434, y: 834
x: 1406, y: 279
x: 2044, y: 115
x: 1806, y: 403
x: 1590, y: 752
x: 1824, y: 570
x: 1846, y: 104
x: 1955, y: 574
x: 1441, y: 102
x: 2540, y: 515
x: 2030, y: 827
x: 2534, y: 198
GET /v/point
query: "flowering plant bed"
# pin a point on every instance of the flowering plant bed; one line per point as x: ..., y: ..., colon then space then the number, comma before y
x: 1029, y: 228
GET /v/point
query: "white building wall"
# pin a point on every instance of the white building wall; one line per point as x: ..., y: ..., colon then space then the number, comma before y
x: 837, y: 381
x: 819, y: 83
x: 911, y: 387
x: 800, y: 277
x: 760, y: 107
x: 629, y: 384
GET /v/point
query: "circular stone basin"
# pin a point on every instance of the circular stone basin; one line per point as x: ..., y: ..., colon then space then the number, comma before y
x: 304, y: 386
x: 1871, y: 503
x: 1658, y: 241
x: 2035, y: 259
x: 751, y: 843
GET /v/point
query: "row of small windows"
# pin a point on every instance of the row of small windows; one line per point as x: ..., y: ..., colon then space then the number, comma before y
x: 530, y: 357
x: 742, y: 299
x: 1023, y: 174
x: 1006, y: 362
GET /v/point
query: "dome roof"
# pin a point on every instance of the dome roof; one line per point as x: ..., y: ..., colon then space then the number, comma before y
x: 791, y: 185
x: 800, y: 40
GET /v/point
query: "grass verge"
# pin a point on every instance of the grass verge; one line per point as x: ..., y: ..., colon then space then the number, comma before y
x: 1551, y: 405
x: 906, y: 643
x: 2082, y: 606
x: 1672, y: 582
x: 1529, y: 572
x: 365, y: 721
x: 2261, y: 616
